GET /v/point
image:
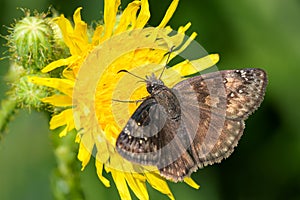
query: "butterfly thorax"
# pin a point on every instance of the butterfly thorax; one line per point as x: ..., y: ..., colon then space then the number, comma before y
x: 164, y: 96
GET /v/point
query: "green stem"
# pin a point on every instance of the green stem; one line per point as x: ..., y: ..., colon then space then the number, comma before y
x: 65, y: 178
x: 7, y: 110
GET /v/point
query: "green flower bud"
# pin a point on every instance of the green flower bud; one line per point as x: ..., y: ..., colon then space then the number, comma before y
x: 29, y: 95
x: 31, y: 42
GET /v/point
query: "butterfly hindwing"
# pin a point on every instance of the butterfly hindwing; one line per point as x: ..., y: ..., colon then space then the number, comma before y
x: 204, y: 151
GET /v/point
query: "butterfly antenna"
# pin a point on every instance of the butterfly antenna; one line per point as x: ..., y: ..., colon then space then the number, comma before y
x: 127, y: 101
x: 169, y: 54
x: 124, y: 70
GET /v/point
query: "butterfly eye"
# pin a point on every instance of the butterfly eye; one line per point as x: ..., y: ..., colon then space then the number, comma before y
x: 150, y: 88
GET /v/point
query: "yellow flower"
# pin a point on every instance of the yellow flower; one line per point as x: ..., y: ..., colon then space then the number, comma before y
x: 90, y: 82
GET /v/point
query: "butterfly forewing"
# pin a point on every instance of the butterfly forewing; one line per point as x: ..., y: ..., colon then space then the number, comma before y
x: 239, y: 91
x: 245, y: 90
x: 138, y: 142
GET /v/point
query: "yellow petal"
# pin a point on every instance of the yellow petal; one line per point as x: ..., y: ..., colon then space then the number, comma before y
x: 187, y: 43
x: 186, y: 67
x: 171, y: 77
x: 97, y: 35
x: 63, y: 132
x: 78, y: 137
x: 110, y: 12
x: 183, y: 29
x: 191, y: 182
x: 68, y: 34
x: 70, y: 125
x: 138, y: 186
x: 101, y: 146
x: 66, y: 28
x: 99, y: 167
x: 169, y: 14
x: 158, y: 183
x: 85, y: 149
x: 69, y: 73
x: 58, y: 100
x: 64, y: 85
x: 178, y: 39
x: 120, y: 181
x: 59, y: 63
x: 80, y: 30
x: 144, y: 15
x: 128, y: 14
x: 61, y: 119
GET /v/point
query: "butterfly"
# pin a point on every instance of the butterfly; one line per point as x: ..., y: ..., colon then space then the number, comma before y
x: 196, y: 123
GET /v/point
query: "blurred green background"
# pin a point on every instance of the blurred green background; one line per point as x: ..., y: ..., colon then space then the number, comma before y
x: 256, y: 33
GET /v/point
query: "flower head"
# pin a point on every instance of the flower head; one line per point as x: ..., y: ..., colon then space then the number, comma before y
x: 91, y: 80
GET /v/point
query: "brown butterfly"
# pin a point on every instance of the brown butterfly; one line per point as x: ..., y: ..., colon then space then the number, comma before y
x: 196, y: 123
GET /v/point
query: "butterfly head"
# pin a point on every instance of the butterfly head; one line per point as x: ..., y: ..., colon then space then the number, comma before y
x: 153, y: 83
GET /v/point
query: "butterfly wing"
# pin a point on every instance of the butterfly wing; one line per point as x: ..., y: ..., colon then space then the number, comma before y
x: 138, y: 140
x: 214, y: 107
x: 238, y: 92
x: 212, y: 143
